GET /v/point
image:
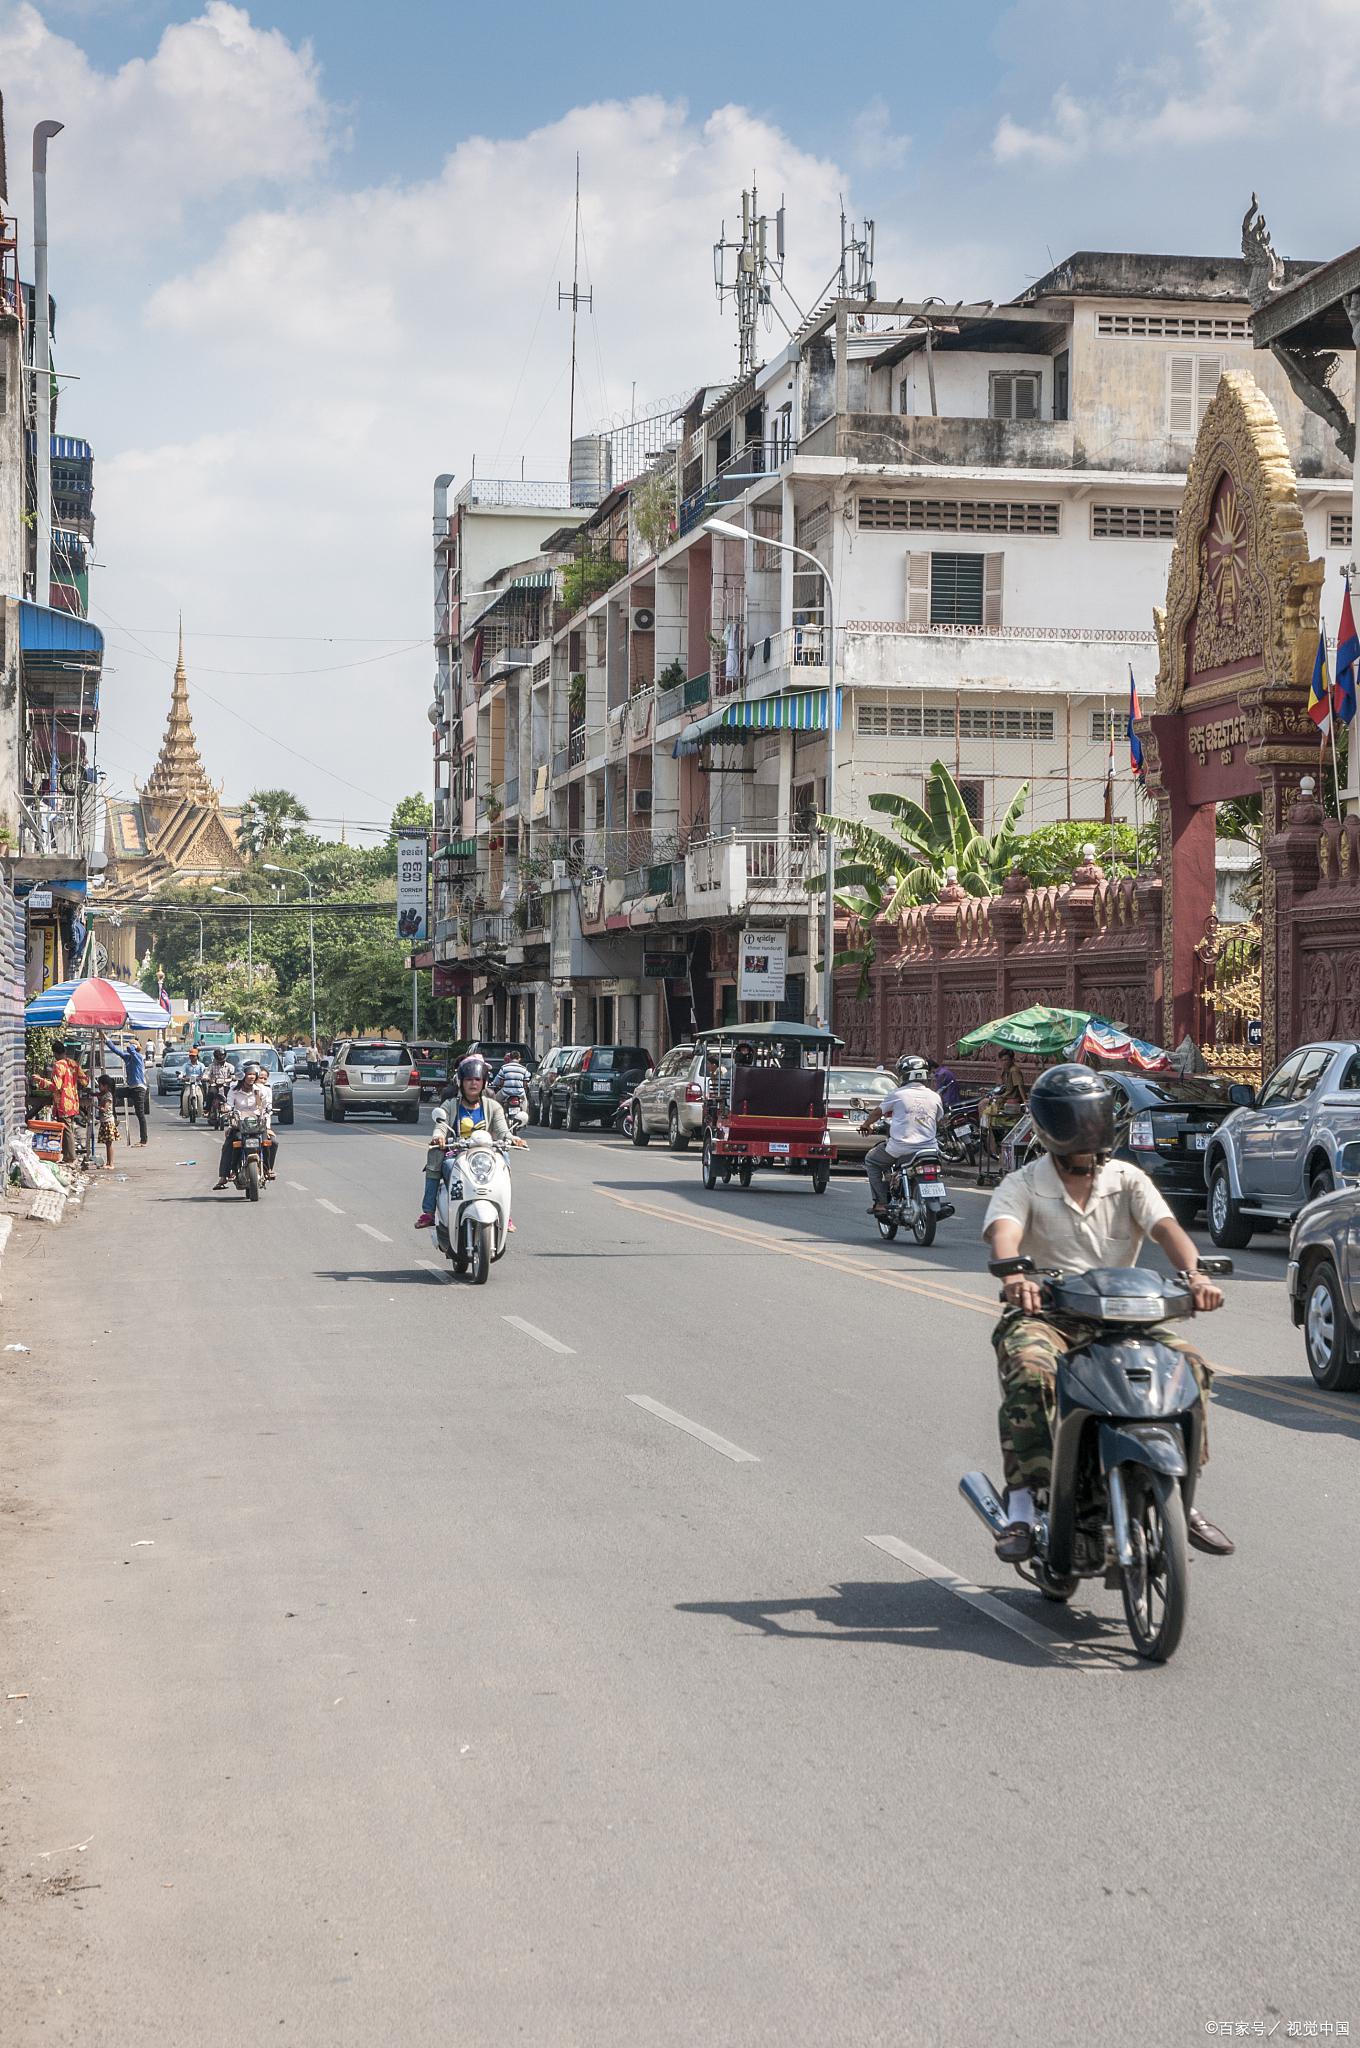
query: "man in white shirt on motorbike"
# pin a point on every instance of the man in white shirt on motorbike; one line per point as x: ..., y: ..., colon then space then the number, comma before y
x: 251, y: 1096
x: 913, y: 1112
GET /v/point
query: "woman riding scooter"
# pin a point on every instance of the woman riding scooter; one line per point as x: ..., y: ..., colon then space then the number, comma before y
x: 466, y: 1108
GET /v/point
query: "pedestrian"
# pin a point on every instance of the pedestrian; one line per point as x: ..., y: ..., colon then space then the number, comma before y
x: 134, y: 1071
x: 64, y: 1085
x: 108, y: 1118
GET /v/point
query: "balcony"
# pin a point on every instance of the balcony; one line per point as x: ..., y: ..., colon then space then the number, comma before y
x: 530, y: 914
x: 513, y: 494
x: 756, y: 460
x: 576, y: 747
x: 561, y: 761
x: 765, y: 872
x: 1048, y: 660
x: 56, y: 827
x: 507, y: 662
x: 800, y: 648
x: 492, y: 932
x: 874, y: 437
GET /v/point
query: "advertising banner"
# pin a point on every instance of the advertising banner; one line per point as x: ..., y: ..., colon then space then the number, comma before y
x: 762, y: 958
x: 413, y: 885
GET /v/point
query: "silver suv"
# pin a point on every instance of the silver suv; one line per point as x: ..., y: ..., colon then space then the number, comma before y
x: 1280, y: 1150
x: 671, y: 1099
x: 371, y: 1074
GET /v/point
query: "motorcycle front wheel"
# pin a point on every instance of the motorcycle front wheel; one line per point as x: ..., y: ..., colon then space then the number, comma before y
x: 887, y: 1228
x: 252, y: 1180
x: 1156, y: 1586
x: 480, y: 1250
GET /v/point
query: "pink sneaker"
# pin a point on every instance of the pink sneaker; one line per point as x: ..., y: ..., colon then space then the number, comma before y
x: 424, y: 1220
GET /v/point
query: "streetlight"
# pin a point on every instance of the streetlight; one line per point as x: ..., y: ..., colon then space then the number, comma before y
x: 273, y: 868
x: 240, y: 896
x: 725, y: 530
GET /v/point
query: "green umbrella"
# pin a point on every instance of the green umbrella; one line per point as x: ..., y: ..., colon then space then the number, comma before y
x: 1035, y: 1030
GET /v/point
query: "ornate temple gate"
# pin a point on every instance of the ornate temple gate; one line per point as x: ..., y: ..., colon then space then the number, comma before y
x: 1236, y: 644
x: 1228, y: 999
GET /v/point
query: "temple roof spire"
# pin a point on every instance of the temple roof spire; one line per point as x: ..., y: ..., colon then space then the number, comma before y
x: 179, y: 772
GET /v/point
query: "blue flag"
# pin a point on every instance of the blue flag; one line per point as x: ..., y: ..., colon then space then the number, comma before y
x: 1347, y: 659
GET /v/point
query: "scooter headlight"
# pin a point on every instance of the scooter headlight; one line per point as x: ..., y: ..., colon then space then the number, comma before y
x: 479, y: 1167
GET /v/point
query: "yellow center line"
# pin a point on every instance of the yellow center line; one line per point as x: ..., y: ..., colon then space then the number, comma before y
x: 934, y: 1290
x: 394, y: 1138
x: 930, y: 1289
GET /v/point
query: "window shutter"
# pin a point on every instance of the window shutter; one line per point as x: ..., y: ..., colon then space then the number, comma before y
x: 1027, y: 398
x: 1180, y: 402
x: 1210, y: 369
x: 991, y: 589
x: 918, y: 588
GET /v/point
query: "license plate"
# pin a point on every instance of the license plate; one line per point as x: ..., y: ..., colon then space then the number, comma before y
x: 600, y: 1087
x: 779, y: 1148
x: 1199, y: 1141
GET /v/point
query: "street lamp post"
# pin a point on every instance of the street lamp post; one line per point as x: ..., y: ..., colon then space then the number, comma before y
x: 239, y: 896
x: 726, y: 530
x: 273, y: 868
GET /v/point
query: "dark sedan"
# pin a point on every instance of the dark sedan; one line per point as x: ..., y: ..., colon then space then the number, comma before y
x: 1163, y: 1124
x: 592, y: 1087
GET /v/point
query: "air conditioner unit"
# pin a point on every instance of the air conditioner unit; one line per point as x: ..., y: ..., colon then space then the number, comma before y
x: 642, y: 800
x: 643, y: 619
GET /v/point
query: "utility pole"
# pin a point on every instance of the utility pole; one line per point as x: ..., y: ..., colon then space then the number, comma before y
x: 42, y: 362
x: 575, y: 298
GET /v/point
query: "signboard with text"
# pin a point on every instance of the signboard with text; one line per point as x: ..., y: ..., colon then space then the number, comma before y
x: 762, y: 958
x: 413, y: 885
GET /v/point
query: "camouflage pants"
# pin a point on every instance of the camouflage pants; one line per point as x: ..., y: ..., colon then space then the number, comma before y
x: 1027, y: 1354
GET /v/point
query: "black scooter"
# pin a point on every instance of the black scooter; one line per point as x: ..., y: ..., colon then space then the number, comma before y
x: 1126, y: 1442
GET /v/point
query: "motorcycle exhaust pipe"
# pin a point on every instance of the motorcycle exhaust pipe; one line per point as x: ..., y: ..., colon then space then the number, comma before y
x: 980, y: 1494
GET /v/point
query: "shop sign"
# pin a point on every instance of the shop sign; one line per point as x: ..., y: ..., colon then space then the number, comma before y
x: 413, y: 885
x: 762, y: 960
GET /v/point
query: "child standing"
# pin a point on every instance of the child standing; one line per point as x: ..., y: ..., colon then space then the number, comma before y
x: 108, y: 1119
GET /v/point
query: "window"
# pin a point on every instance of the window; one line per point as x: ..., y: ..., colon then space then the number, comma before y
x: 1133, y: 522
x: 1339, y: 529
x: 1062, y: 385
x: 1109, y: 725
x: 1015, y: 394
x: 955, y: 515
x: 945, y: 722
x: 956, y: 590
x: 469, y: 775
x: 1280, y: 1084
x: 1173, y: 326
x: 1312, y: 1067
x: 1191, y: 382
x: 972, y: 793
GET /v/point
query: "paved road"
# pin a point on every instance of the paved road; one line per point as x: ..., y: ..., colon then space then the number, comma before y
x: 580, y: 1660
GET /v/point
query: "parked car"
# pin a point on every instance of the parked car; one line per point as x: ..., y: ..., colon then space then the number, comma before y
x: 370, y: 1074
x: 1164, y: 1123
x: 541, y: 1076
x: 592, y: 1087
x: 170, y: 1072
x: 280, y: 1080
x: 670, y: 1099
x: 496, y: 1050
x: 852, y: 1094
x: 1324, y: 1278
x: 1279, y: 1150
x: 434, y: 1064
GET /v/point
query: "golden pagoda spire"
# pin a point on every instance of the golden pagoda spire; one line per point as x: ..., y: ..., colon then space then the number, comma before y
x: 179, y: 772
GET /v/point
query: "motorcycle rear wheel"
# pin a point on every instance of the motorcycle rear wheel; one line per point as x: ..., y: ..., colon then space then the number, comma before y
x: 1156, y: 1586
x: 923, y: 1224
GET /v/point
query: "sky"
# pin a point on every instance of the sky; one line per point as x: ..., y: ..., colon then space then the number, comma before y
x: 306, y: 256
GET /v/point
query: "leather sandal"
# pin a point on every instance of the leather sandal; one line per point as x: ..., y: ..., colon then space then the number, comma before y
x: 1207, y: 1536
x: 1015, y: 1543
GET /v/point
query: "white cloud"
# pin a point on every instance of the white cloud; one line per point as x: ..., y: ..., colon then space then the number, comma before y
x: 877, y: 145
x: 220, y: 106
x: 1255, y: 70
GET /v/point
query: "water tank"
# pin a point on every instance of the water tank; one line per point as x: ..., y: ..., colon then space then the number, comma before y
x: 591, y: 469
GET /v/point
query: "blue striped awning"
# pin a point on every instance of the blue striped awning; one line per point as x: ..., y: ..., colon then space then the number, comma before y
x: 796, y: 711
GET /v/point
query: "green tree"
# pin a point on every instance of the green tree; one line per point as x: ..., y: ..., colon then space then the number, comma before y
x: 249, y: 1002
x: 412, y: 814
x: 1051, y: 854
x: 270, y: 818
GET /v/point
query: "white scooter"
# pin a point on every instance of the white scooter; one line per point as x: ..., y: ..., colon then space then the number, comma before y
x: 472, y: 1209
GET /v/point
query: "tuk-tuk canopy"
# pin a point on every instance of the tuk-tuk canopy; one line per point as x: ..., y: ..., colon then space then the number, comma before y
x: 792, y: 1034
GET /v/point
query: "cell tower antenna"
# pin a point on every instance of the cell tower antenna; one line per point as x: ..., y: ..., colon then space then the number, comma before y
x: 755, y: 272
x: 857, y: 259
x: 575, y: 298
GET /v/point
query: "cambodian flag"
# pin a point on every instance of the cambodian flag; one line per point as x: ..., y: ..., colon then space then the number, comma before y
x: 1319, y: 692
x: 1135, y: 744
x: 1347, y: 660
x: 162, y: 996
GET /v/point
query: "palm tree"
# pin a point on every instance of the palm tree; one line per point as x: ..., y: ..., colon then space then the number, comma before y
x: 269, y: 818
x: 887, y: 872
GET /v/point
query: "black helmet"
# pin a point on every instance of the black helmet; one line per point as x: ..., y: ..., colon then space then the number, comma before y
x: 911, y: 1068
x: 1073, y: 1111
x: 473, y: 1067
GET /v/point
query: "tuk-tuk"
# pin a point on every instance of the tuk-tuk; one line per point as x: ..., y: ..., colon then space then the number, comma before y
x: 765, y: 1104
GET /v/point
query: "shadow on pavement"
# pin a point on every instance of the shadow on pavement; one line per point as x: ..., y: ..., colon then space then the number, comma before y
x: 394, y: 1276
x: 909, y: 1614
x: 1294, y: 1404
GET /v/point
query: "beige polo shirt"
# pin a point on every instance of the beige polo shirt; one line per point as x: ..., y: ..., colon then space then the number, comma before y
x: 1109, y: 1231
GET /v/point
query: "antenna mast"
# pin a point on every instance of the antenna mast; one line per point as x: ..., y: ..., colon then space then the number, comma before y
x: 575, y: 298
x: 754, y: 270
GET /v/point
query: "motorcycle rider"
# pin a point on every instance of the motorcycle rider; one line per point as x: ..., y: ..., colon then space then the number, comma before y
x: 251, y: 1096
x: 1073, y: 1208
x: 511, y: 1086
x: 913, y: 1112
x: 219, y: 1080
x: 195, y: 1071
x: 466, y: 1108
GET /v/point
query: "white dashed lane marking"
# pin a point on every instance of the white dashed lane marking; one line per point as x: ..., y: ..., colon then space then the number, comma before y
x: 296, y: 1184
x: 322, y: 1203
x: 436, y: 1272
x: 369, y: 1231
x: 539, y: 1336
x: 696, y: 1429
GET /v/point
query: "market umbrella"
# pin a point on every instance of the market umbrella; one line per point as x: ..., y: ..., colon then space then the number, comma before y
x: 96, y: 1005
x: 1038, y: 1029
x: 1105, y: 1041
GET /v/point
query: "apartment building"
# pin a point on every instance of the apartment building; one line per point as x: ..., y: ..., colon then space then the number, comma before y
x: 992, y: 490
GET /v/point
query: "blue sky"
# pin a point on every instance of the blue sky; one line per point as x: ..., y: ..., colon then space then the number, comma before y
x: 306, y: 257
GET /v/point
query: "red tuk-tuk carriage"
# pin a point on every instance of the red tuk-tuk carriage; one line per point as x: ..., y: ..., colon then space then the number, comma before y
x: 766, y: 1101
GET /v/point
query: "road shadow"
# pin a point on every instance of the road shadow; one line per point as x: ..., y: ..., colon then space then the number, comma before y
x: 396, y: 1276
x: 912, y: 1614
x: 1269, y: 1399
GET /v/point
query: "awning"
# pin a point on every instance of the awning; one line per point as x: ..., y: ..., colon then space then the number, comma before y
x: 60, y: 634
x: 797, y: 711
x: 457, y: 849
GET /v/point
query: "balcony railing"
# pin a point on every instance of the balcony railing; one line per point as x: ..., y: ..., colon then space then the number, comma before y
x: 561, y: 761
x: 757, y: 459
x: 576, y: 747
x: 506, y: 662
x: 697, y: 691
x: 491, y: 929
x: 57, y: 825
x: 513, y: 493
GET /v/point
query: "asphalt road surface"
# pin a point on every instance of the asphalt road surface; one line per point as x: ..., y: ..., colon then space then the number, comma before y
x: 597, y: 1657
